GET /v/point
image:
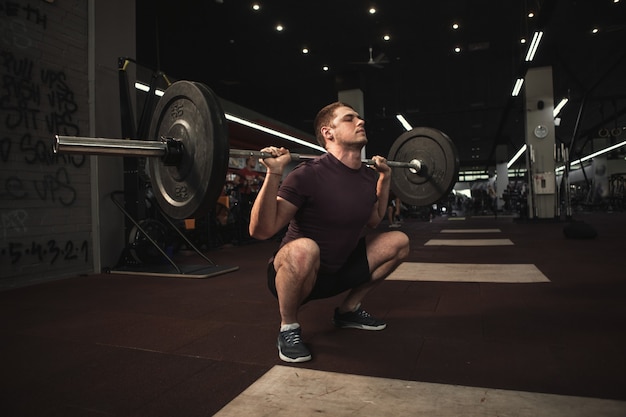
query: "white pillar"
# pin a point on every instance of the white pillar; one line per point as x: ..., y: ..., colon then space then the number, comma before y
x: 540, y: 139
x: 502, y: 173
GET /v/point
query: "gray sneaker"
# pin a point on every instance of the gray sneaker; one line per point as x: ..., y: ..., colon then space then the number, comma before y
x: 359, y: 319
x: 291, y: 348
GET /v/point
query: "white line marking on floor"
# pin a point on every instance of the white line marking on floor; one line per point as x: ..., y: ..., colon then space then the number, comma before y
x: 460, y: 272
x: 471, y: 231
x: 469, y: 242
x: 289, y: 391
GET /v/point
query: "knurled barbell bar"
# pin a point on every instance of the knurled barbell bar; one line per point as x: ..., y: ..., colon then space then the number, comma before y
x: 187, y: 153
x: 414, y: 165
x: 170, y: 150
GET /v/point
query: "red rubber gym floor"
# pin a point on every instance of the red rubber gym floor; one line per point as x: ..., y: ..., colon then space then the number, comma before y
x: 113, y: 345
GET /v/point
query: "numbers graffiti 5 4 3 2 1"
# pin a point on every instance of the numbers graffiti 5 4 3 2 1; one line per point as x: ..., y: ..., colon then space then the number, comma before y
x: 49, y: 251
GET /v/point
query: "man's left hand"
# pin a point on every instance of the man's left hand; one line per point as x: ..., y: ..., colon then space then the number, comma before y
x: 380, y: 164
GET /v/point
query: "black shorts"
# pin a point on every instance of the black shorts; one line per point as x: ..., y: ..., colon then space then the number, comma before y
x: 353, y: 273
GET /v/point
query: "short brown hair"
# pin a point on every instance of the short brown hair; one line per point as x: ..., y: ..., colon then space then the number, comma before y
x: 324, y: 118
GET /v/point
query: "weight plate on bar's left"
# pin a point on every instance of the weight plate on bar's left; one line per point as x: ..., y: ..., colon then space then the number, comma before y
x: 439, y: 166
x: 191, y: 112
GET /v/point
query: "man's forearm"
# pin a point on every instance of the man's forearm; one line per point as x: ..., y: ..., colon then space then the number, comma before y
x: 263, y: 215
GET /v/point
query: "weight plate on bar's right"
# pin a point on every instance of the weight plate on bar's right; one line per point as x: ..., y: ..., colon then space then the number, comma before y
x: 191, y: 112
x: 439, y: 166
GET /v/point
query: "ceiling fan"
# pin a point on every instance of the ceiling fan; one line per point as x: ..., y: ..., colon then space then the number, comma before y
x: 377, y: 62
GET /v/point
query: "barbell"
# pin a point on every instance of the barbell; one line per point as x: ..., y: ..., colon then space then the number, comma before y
x: 187, y: 153
x: 170, y: 150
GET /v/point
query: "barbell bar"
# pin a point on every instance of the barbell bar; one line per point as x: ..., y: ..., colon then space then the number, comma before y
x: 187, y: 153
x: 414, y: 165
x: 170, y: 150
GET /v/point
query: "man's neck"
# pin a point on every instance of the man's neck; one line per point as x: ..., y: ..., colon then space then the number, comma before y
x: 349, y: 157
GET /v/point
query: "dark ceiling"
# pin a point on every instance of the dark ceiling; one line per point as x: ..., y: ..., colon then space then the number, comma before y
x: 238, y: 53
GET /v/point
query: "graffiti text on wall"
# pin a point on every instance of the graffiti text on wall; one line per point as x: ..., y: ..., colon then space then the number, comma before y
x: 28, y: 12
x: 22, y: 91
x: 49, y: 251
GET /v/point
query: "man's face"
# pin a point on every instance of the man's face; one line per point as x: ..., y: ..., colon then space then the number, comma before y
x: 348, y: 128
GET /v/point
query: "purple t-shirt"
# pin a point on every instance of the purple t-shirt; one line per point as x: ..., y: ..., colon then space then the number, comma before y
x: 334, y: 204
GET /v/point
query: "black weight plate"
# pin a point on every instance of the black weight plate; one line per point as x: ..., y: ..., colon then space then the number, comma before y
x: 440, y: 166
x: 141, y: 249
x: 191, y: 112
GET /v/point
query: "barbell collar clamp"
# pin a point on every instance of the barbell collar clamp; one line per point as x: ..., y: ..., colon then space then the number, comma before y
x: 174, y: 149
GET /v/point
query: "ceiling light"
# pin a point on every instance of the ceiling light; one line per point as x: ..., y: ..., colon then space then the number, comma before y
x: 282, y: 135
x: 256, y: 6
x: 325, y: 68
x: 372, y: 10
x: 531, y: 15
x: 522, y: 41
x: 600, y: 152
x: 455, y: 26
x: 516, y: 157
x: 142, y: 87
x: 386, y: 37
x: 457, y: 49
x: 593, y: 155
x: 534, y: 44
x: 517, y: 87
x: 404, y: 122
x: 146, y: 88
x: 559, y: 107
x: 305, y: 50
x: 595, y: 30
x: 279, y: 28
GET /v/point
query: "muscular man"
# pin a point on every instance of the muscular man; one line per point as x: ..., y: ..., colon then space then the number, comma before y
x: 327, y: 203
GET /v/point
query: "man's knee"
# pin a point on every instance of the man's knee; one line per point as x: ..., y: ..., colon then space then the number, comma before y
x: 389, y: 246
x: 298, y: 255
x: 398, y: 243
x: 403, y: 245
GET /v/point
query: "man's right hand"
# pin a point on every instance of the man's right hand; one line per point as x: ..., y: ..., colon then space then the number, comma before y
x: 279, y: 160
x: 271, y: 213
